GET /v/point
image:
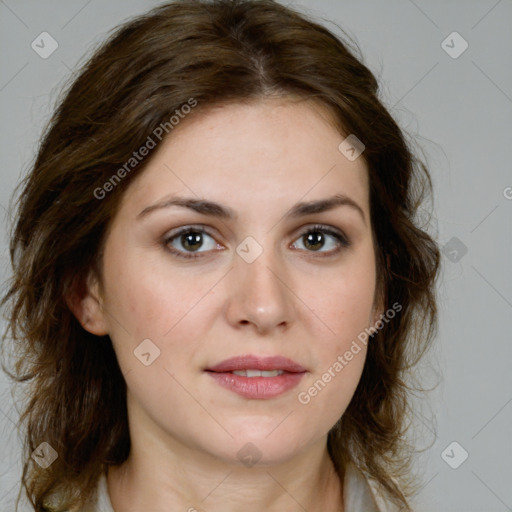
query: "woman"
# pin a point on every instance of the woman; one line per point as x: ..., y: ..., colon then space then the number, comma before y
x: 219, y: 282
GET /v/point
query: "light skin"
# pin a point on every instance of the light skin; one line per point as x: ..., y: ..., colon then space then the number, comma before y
x: 258, y: 159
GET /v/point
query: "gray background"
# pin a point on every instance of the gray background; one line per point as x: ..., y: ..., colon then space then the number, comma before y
x: 459, y: 110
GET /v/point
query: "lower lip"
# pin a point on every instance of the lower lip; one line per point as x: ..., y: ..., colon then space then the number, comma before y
x: 257, y: 387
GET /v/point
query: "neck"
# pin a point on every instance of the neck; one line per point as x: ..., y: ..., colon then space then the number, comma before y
x: 157, y: 476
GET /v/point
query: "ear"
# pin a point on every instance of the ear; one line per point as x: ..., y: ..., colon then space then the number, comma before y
x: 85, y: 302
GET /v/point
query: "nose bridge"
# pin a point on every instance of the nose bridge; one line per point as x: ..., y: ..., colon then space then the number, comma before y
x: 259, y: 293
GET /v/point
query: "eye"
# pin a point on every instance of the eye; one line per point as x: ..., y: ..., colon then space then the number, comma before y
x: 314, y: 238
x: 187, y: 242
x: 190, y: 239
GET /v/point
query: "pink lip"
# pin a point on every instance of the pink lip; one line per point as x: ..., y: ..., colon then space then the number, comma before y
x: 257, y: 387
x: 250, y: 362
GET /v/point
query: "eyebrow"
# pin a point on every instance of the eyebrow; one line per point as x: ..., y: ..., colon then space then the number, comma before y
x: 213, y: 209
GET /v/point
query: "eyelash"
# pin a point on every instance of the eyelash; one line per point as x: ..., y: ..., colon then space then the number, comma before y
x: 343, y: 241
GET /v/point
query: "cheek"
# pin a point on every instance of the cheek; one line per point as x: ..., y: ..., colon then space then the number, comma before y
x: 151, y: 302
x: 339, y: 357
x: 344, y: 304
x: 173, y: 310
x: 345, y: 307
x: 327, y: 395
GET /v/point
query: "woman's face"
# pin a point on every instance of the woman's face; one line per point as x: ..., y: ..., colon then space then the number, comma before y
x: 246, y: 284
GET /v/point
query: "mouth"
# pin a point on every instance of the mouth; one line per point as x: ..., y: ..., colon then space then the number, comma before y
x: 257, y: 373
x: 257, y: 377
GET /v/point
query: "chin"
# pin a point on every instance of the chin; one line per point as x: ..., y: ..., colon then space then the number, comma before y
x: 249, y: 448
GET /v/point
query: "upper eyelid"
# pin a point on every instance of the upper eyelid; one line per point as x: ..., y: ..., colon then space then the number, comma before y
x: 190, y: 227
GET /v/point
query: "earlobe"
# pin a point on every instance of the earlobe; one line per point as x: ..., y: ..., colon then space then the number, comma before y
x: 85, y: 302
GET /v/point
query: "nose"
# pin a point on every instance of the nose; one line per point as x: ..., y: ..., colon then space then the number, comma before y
x: 259, y: 296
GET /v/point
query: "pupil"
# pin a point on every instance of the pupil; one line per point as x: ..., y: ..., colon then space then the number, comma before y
x: 193, y: 239
x: 315, y: 239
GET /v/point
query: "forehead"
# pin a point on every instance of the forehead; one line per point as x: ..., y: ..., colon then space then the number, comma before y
x: 276, y: 149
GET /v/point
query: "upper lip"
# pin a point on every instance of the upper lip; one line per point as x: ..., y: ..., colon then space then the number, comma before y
x: 252, y: 362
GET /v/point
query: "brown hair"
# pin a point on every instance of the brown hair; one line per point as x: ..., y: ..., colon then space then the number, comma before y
x: 212, y: 52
